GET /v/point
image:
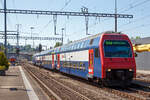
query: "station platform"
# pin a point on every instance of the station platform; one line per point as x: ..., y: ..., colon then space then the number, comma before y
x: 19, y: 85
x: 143, y: 71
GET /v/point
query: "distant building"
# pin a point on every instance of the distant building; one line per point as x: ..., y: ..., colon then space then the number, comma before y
x: 145, y: 40
x: 143, y: 58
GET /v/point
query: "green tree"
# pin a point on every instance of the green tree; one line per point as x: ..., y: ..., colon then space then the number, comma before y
x: 137, y: 37
x: 40, y: 47
x: 58, y: 44
x: 2, y: 48
x: 4, y: 60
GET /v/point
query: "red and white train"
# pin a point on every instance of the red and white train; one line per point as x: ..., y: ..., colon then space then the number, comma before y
x: 107, y: 58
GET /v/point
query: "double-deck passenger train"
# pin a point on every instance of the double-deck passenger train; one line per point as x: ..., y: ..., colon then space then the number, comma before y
x: 107, y: 58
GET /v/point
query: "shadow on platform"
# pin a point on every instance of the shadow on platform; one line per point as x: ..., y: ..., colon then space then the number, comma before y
x: 15, y: 89
x: 7, y: 75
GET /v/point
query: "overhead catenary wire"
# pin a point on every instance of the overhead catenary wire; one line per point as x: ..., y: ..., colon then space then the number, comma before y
x: 136, y: 20
x: 134, y: 5
x: 14, y: 6
x: 66, y: 4
x: 139, y: 26
x: 131, y: 6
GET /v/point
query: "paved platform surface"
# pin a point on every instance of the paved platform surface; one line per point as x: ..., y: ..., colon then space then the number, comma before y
x: 143, y: 71
x: 19, y: 85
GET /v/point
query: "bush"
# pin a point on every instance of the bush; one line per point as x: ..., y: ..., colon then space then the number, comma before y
x: 4, y: 60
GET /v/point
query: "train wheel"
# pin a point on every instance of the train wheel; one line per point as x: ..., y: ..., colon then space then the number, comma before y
x: 90, y: 79
x: 101, y: 83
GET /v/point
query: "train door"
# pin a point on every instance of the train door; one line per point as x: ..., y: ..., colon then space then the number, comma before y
x: 58, y: 61
x: 91, y: 63
x: 53, y: 63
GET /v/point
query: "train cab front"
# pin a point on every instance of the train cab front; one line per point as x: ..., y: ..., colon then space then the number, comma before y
x: 118, y: 63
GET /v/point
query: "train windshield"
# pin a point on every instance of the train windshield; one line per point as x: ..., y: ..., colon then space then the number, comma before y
x: 117, y: 48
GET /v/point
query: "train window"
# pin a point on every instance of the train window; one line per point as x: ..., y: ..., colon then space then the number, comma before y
x: 74, y: 65
x: 78, y: 46
x: 82, y: 43
x: 67, y: 48
x: 96, y: 52
x: 70, y: 64
x: 117, y: 48
x: 78, y: 65
x: 84, y: 67
x: 86, y: 43
x: 81, y: 64
x: 75, y: 46
x: 91, y: 41
x: 72, y: 47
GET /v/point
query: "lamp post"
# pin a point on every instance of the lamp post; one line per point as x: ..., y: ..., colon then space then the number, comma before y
x: 5, y: 27
x: 32, y: 36
x: 62, y: 35
x: 25, y: 42
x: 115, y: 15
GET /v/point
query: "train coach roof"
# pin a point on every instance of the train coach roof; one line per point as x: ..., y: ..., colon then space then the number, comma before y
x: 92, y: 37
x: 42, y: 53
x: 75, y: 43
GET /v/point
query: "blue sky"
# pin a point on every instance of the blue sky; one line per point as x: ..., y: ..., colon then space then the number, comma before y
x: 75, y: 26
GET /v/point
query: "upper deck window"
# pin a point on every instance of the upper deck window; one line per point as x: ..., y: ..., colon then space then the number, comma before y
x: 86, y: 43
x: 72, y: 47
x: 91, y: 41
x: 82, y: 43
x: 117, y: 48
x: 78, y: 45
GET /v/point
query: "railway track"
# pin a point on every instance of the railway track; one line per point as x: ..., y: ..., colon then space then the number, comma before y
x: 58, y: 90
x: 49, y: 92
x: 79, y: 90
x: 143, y: 78
x: 85, y: 91
x: 130, y: 93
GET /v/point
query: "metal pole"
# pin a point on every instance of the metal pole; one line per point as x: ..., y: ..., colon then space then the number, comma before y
x: 25, y: 42
x: 17, y: 48
x: 115, y: 15
x: 32, y: 36
x: 62, y: 35
x: 55, y: 23
x: 18, y: 25
x: 86, y: 24
x: 5, y: 27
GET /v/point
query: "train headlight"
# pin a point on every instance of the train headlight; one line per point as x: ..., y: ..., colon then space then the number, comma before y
x: 130, y: 70
x: 108, y: 70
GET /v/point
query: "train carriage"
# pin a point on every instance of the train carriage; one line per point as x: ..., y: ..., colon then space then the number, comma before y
x: 106, y: 58
x: 12, y: 60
